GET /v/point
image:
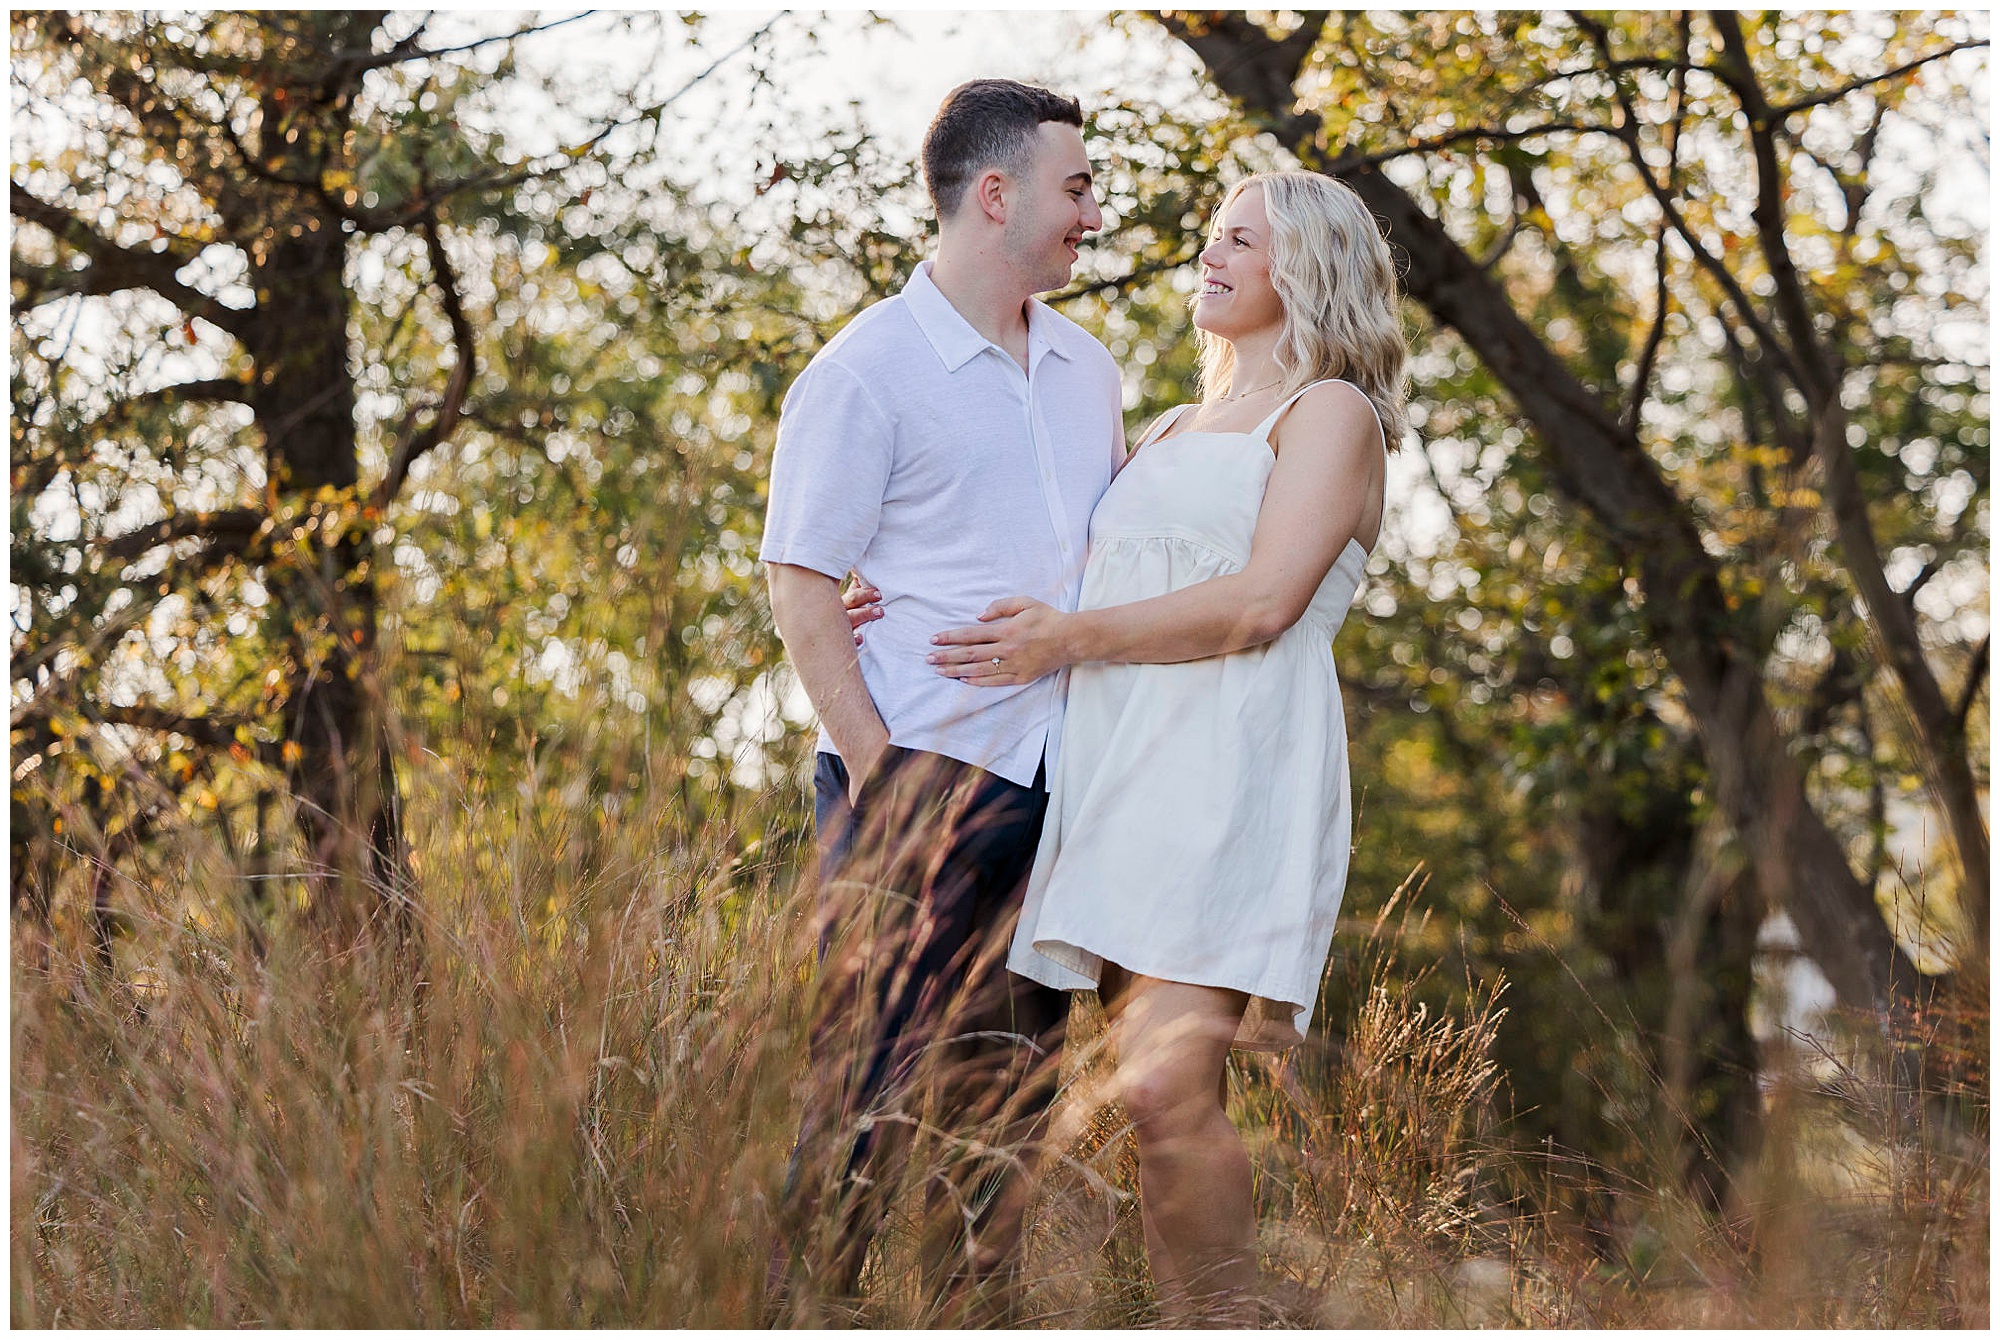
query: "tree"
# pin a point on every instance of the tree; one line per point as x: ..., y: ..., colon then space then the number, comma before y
x: 1668, y: 114
x: 213, y: 189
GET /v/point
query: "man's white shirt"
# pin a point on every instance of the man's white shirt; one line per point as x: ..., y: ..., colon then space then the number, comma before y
x: 916, y: 451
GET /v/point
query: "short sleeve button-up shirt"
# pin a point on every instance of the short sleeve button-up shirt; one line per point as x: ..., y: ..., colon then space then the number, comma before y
x: 916, y: 451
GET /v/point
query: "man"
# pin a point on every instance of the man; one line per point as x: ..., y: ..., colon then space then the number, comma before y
x: 950, y: 443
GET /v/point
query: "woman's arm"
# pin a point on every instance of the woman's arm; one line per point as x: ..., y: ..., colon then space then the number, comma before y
x: 1325, y: 484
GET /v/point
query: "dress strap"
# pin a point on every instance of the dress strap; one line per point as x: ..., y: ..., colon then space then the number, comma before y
x: 1162, y: 426
x: 1263, y: 430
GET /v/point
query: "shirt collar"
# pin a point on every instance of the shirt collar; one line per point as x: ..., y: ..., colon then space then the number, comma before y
x: 952, y: 337
x: 1045, y: 327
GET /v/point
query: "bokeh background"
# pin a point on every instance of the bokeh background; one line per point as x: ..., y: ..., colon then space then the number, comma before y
x: 409, y: 830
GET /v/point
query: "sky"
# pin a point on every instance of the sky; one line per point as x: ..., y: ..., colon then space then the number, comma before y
x: 893, y: 67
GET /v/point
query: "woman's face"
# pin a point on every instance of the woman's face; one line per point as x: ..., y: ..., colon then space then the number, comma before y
x: 1237, y: 298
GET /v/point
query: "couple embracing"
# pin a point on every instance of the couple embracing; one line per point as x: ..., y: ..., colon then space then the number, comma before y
x: 1080, y: 722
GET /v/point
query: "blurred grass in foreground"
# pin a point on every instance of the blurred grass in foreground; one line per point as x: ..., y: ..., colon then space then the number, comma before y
x: 568, y: 1101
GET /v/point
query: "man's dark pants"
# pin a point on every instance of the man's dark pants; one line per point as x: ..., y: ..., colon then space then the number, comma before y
x: 917, y: 1017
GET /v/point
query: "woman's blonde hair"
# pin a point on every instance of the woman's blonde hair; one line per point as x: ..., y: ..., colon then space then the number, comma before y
x: 1337, y: 281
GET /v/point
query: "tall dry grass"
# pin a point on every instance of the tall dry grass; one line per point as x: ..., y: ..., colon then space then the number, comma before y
x: 558, y: 1105
x: 569, y: 1100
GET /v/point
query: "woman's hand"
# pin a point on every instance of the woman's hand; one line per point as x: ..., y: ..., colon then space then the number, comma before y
x: 1016, y: 641
x: 863, y: 604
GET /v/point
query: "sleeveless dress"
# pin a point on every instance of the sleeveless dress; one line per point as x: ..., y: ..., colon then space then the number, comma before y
x: 1198, y: 823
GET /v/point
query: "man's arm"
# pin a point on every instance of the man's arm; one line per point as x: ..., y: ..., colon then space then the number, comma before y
x: 807, y: 609
x: 829, y: 473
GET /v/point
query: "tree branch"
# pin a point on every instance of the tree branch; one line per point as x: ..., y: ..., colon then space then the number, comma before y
x: 410, y: 448
x: 1506, y: 242
x: 1710, y: 262
x: 1677, y: 123
x: 233, y: 531
x: 212, y: 390
x: 1819, y: 377
x: 162, y: 119
x: 1627, y: 132
x: 1856, y: 191
x: 412, y: 212
x: 114, y: 268
x: 1122, y: 283
x: 1921, y: 580
x: 259, y: 169
x: 1643, y: 373
x: 348, y: 65
x: 1975, y: 675
x: 1835, y: 95
x: 1354, y: 158
x: 26, y: 667
x: 1891, y: 618
x: 230, y: 390
x: 1248, y: 63
x: 216, y: 732
x: 1878, y: 805
x: 1841, y: 683
x: 1758, y: 378
x: 1655, y: 64
x: 38, y: 285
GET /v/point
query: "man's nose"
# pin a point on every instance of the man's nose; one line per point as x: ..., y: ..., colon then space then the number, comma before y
x: 1093, y: 217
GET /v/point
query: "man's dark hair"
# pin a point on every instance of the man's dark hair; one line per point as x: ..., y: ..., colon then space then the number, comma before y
x: 986, y: 123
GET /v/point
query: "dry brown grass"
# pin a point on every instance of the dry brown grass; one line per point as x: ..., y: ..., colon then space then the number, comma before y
x: 569, y: 1103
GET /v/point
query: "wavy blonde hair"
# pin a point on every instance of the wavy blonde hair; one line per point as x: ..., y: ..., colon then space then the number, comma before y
x: 1337, y: 281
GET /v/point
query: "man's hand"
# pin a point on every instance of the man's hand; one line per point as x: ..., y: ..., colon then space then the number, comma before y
x: 1017, y: 640
x: 862, y: 602
x: 859, y: 770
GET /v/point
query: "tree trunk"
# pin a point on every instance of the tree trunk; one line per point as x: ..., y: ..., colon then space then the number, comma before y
x: 341, y: 773
x: 1709, y: 1098
x: 1940, y: 728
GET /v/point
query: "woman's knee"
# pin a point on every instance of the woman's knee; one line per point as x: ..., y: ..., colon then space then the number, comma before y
x: 1173, y: 1045
x: 1163, y: 1102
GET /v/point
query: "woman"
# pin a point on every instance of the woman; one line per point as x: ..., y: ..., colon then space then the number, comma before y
x: 1196, y: 844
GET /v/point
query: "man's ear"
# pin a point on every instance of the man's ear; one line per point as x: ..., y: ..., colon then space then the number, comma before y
x: 990, y: 192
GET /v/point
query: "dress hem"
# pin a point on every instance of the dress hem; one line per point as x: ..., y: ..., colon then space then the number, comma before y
x: 1293, y: 1008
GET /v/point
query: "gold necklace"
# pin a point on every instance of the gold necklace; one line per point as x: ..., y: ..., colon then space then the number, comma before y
x: 1238, y: 395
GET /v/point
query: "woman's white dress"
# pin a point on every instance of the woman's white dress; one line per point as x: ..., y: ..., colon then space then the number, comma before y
x: 1198, y: 823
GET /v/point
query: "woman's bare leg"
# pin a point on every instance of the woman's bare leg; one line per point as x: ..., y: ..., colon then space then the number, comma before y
x: 1112, y: 985
x: 1194, y: 1177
